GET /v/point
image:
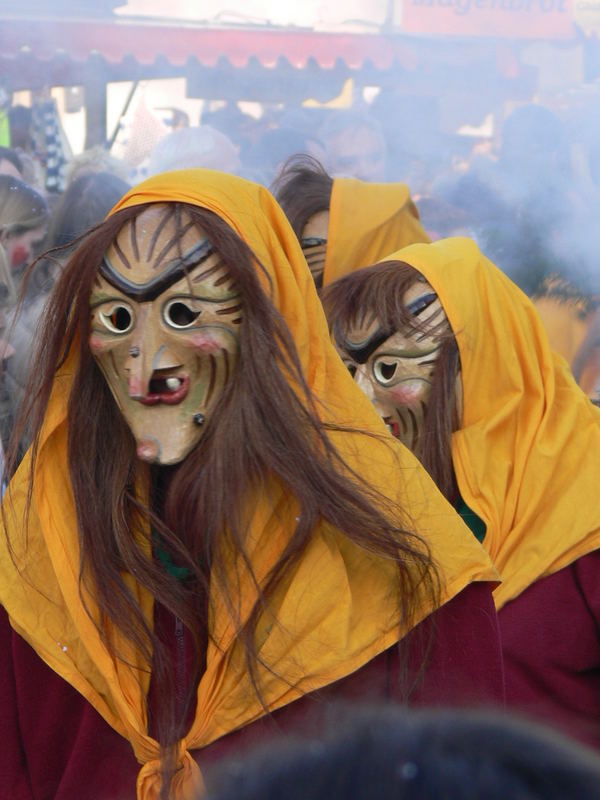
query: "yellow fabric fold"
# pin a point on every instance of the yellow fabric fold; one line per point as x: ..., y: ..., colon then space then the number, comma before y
x: 333, y: 613
x: 527, y: 456
x: 366, y: 222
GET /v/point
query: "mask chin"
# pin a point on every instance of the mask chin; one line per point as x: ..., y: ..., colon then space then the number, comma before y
x: 170, y: 449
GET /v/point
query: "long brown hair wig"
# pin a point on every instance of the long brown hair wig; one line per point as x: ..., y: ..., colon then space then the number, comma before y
x: 378, y: 292
x: 262, y: 430
x: 302, y: 188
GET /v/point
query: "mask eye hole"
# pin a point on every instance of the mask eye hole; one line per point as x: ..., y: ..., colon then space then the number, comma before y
x: 384, y: 371
x: 179, y: 314
x: 118, y: 319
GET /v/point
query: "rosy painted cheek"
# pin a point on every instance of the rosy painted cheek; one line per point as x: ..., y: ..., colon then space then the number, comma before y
x: 99, y: 345
x: 408, y: 393
x: 204, y: 343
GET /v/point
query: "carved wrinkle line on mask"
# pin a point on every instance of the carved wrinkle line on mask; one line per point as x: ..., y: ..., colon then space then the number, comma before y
x: 415, y: 429
x: 208, y: 272
x: 122, y: 255
x: 310, y: 242
x: 167, y: 214
x: 133, y: 238
x: 212, y: 378
x: 315, y: 257
x: 400, y: 412
x: 224, y: 279
x: 229, y: 309
x: 171, y: 244
x: 113, y: 364
x: 403, y: 422
x: 430, y: 361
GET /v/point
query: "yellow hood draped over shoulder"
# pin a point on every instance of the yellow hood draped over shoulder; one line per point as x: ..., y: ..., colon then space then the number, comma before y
x: 335, y: 611
x: 527, y: 455
x: 366, y: 222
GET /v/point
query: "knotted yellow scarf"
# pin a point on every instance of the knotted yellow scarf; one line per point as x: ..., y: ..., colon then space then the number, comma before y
x: 366, y: 222
x: 335, y: 611
x: 527, y: 455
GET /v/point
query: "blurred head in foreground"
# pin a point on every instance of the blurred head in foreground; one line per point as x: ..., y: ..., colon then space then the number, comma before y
x: 392, y: 754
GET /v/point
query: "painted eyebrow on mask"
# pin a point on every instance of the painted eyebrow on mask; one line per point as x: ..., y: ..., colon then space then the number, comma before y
x: 419, y: 305
x: 177, y: 269
x: 360, y: 353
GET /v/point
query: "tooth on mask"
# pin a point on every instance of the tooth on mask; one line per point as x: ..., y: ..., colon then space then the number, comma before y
x: 173, y: 384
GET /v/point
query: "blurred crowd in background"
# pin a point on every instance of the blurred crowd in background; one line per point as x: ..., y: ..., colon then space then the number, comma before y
x: 529, y: 196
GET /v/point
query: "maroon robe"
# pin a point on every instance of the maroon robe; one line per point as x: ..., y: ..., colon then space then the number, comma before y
x: 55, y: 745
x: 551, y: 645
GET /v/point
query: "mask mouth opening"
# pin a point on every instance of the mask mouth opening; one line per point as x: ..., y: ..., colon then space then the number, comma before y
x: 392, y: 426
x: 166, y: 386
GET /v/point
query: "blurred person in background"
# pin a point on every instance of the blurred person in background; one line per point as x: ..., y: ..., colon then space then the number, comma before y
x: 86, y: 202
x: 533, y: 158
x: 416, y: 150
x: 344, y: 223
x: 95, y: 159
x: 526, y: 213
x: 21, y: 123
x: 23, y: 221
x: 586, y: 363
x: 395, y: 754
x: 553, y: 239
x: 8, y: 299
x: 188, y: 148
x: 243, y: 130
x: 354, y: 146
x: 441, y: 220
x: 10, y: 163
x: 264, y: 160
x: 89, y: 197
x: 306, y: 121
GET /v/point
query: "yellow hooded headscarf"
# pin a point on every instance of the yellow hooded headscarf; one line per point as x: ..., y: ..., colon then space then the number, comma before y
x: 335, y: 611
x: 527, y: 455
x: 366, y: 222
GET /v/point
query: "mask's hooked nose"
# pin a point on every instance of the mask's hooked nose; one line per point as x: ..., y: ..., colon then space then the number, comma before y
x: 146, y: 354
